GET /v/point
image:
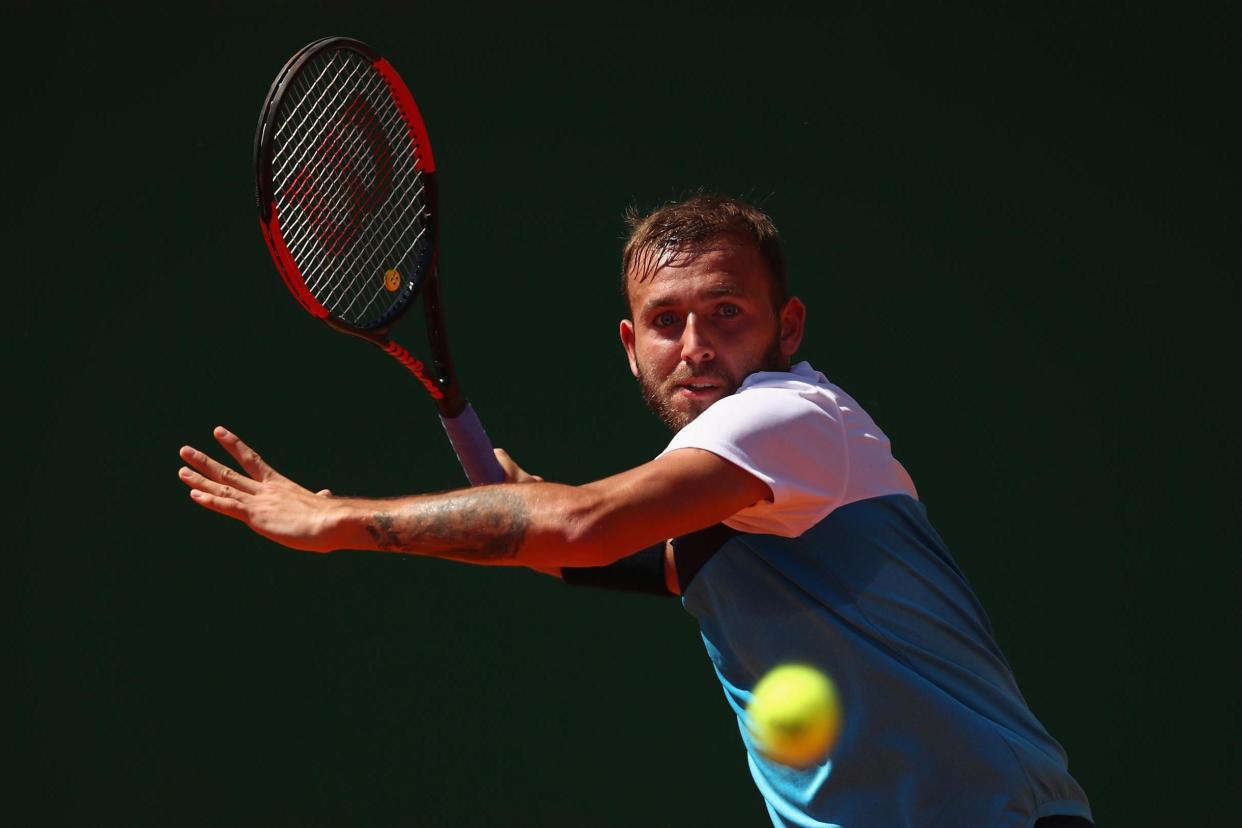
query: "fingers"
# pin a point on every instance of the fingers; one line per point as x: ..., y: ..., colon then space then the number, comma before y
x: 223, y: 505
x: 217, y: 471
x: 324, y: 493
x: 506, y: 463
x: 513, y: 472
x: 199, y: 483
x: 247, y: 457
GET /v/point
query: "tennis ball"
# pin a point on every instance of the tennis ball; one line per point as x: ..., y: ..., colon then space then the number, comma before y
x: 794, y: 716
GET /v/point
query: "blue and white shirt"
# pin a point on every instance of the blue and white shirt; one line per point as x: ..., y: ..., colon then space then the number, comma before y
x: 842, y: 570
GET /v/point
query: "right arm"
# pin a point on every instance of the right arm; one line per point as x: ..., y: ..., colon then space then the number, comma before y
x: 538, y: 525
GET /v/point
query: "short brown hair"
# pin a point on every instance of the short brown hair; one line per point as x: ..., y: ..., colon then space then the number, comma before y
x: 684, y: 226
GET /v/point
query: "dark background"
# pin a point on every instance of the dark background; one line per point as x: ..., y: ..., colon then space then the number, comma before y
x: 1017, y: 232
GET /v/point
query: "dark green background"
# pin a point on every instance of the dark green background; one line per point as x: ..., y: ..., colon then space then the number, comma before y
x: 1016, y: 230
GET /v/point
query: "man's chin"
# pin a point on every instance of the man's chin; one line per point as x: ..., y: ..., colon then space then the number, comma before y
x: 677, y: 405
x: 682, y: 409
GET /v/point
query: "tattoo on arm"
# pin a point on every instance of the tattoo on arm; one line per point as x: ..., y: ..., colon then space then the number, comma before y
x: 482, y: 525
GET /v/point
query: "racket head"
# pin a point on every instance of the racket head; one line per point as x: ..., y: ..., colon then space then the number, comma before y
x: 345, y: 186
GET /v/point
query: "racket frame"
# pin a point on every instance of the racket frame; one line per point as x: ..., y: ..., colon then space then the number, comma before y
x: 441, y: 384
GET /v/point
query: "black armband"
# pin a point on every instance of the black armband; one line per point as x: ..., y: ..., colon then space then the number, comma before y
x: 641, y: 572
x: 692, y: 551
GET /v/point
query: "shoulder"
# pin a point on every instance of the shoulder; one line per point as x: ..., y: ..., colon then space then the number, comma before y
x: 782, y: 428
x: 806, y: 439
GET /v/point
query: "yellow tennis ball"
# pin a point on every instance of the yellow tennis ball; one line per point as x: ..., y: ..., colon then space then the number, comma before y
x: 794, y: 715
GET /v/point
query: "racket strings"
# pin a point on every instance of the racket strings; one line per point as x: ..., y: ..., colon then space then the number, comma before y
x: 349, y: 194
x: 317, y: 108
x: 342, y: 193
x: 375, y: 253
x: 415, y: 232
x: 303, y: 152
x: 307, y: 152
x: 404, y: 173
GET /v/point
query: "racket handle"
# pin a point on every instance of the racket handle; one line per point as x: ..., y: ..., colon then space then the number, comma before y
x: 474, y: 449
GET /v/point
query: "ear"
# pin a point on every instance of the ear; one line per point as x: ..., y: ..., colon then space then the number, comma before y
x: 627, y: 341
x: 793, y: 323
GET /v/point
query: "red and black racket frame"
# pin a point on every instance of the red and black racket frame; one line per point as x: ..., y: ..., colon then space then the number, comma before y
x: 441, y: 384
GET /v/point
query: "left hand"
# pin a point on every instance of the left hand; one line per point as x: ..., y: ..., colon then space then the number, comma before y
x: 265, y: 500
x: 513, y: 472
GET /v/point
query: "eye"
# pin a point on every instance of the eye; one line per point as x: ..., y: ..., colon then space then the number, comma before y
x: 665, y: 319
x: 728, y: 310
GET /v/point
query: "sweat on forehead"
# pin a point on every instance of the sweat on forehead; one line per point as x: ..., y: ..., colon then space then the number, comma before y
x: 649, y: 260
x: 653, y: 262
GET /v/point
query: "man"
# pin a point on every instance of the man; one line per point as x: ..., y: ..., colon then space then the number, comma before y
x: 796, y: 536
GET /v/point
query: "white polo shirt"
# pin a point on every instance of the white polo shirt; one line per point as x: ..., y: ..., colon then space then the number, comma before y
x: 807, y: 439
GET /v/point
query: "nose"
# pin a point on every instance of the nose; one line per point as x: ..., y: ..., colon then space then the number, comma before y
x: 696, y: 348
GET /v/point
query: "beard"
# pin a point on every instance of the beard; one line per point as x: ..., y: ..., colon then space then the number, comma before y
x: 658, y: 392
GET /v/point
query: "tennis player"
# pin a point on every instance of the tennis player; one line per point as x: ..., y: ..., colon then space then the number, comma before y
x: 795, y: 536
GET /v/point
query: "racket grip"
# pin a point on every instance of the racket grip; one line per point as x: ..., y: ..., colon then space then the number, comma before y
x: 474, y: 449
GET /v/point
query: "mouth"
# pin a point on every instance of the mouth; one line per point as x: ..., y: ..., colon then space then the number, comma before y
x: 697, y: 389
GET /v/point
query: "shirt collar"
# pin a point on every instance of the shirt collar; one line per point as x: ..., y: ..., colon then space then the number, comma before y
x: 802, y: 371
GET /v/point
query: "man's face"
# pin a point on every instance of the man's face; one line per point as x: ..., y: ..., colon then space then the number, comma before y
x: 702, y: 323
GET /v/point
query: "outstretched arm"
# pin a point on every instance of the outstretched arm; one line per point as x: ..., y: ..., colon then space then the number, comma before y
x: 535, y: 524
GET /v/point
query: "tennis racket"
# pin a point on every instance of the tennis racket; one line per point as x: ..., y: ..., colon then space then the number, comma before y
x: 346, y: 189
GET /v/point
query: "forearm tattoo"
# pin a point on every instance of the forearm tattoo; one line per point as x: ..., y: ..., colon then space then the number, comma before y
x: 482, y: 525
